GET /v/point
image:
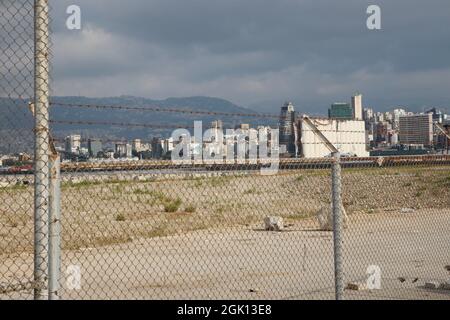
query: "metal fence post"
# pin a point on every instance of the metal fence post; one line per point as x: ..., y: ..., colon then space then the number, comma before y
x: 337, y: 226
x: 41, y: 161
x: 54, y: 259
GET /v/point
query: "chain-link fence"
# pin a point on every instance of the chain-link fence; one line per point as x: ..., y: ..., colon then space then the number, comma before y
x: 398, y: 228
x: 116, y: 220
x: 16, y: 148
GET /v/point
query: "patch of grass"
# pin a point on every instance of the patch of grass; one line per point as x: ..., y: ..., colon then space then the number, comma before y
x: 219, y: 181
x: 111, y: 240
x: 142, y: 192
x: 190, y: 209
x: 299, y: 178
x: 80, y: 184
x: 87, y: 183
x: 198, y: 183
x: 16, y: 187
x: 172, y: 205
x: 220, y: 210
x: 120, y: 217
x: 407, y: 184
x: 159, y: 231
x: 159, y: 196
x: 444, y: 182
x: 250, y: 191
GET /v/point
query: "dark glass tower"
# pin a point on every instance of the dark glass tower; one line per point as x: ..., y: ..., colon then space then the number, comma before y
x: 287, y: 123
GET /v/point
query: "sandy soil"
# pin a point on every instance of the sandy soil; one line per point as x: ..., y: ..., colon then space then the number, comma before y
x: 129, y: 245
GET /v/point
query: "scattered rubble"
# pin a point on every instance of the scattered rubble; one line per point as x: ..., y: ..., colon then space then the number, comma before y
x: 445, y: 285
x: 432, y: 285
x: 273, y: 223
x: 436, y: 285
x: 356, y: 286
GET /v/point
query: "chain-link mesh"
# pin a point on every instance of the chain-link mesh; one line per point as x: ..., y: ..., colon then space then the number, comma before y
x: 157, y: 229
x: 191, y: 232
x: 397, y: 239
x: 184, y: 232
x: 16, y: 148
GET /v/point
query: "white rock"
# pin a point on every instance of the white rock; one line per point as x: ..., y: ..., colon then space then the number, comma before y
x: 273, y: 223
x: 407, y: 210
x: 325, y: 218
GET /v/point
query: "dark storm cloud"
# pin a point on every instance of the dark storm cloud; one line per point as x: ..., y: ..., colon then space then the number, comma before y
x: 312, y: 51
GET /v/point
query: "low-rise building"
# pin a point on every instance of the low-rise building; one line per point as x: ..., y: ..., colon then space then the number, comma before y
x: 348, y: 136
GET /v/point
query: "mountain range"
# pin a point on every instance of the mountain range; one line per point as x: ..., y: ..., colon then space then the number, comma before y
x: 17, y: 122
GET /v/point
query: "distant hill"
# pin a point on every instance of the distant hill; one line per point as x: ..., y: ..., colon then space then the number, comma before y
x: 18, y: 119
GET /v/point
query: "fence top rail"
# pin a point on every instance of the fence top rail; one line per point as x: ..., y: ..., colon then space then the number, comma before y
x: 149, y: 164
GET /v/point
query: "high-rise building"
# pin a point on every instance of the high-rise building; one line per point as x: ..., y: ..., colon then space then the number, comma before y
x: 216, y: 131
x: 243, y: 127
x: 136, y: 145
x: 368, y: 114
x: 167, y: 145
x: 94, y: 147
x: 381, y: 132
x: 217, y: 124
x: 287, y: 130
x: 357, y: 107
x: 341, y: 111
x: 416, y: 129
x: 397, y: 113
x: 73, y: 143
x: 379, y: 117
x: 123, y: 150
x: 157, y: 148
x: 438, y: 116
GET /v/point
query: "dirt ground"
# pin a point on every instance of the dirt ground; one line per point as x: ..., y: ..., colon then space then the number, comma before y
x: 196, y: 237
x: 249, y: 263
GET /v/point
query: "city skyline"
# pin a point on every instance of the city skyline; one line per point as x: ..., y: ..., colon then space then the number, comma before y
x: 256, y: 56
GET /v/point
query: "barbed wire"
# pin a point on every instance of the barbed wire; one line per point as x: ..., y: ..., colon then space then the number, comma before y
x: 126, y: 124
x: 121, y: 124
x: 107, y: 140
x: 168, y: 110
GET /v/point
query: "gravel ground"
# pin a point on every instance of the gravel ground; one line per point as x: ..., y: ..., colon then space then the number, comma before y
x: 249, y: 263
x: 197, y: 237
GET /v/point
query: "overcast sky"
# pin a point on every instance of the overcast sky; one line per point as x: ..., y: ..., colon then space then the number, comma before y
x: 257, y: 52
